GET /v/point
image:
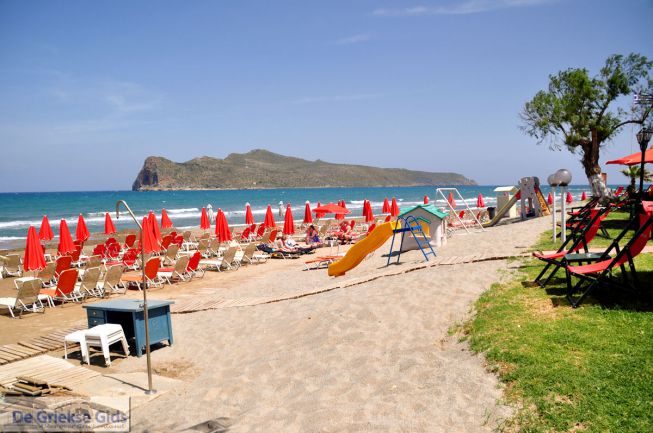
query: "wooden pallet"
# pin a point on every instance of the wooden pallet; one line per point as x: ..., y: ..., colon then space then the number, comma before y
x: 35, y: 346
x: 47, y: 368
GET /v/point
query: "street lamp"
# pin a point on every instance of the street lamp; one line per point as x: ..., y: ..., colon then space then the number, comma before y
x: 643, y: 137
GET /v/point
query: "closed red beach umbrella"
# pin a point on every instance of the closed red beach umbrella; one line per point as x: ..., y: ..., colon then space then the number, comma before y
x: 33, y: 259
x: 319, y: 214
x: 109, y: 228
x: 222, y: 230
x: 569, y: 197
x: 166, y: 223
x: 269, y: 218
x: 205, y: 224
x: 308, y: 215
x: 65, y: 239
x: 149, y: 243
x: 426, y: 199
x: 451, y: 200
x: 583, y: 196
x: 249, y: 217
x: 386, y: 206
x: 394, y: 209
x: 156, y: 231
x: 369, y: 215
x: 365, y: 208
x: 288, y: 222
x: 81, y: 232
x: 479, y: 201
x: 45, y: 232
x: 549, y: 199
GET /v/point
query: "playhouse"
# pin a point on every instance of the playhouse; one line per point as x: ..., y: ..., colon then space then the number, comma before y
x: 433, y: 224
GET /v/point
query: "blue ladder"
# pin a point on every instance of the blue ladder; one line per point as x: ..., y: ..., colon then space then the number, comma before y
x: 412, y: 225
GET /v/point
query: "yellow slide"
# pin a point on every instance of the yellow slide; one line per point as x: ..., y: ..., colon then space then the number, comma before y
x: 362, y: 248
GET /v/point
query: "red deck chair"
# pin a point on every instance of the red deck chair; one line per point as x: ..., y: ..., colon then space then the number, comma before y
x: 166, y: 241
x: 273, y: 235
x: 600, y: 273
x: 130, y: 240
x: 63, y: 263
x: 194, y: 267
x: 151, y: 275
x: 261, y: 230
x: 65, y: 289
x: 245, y: 234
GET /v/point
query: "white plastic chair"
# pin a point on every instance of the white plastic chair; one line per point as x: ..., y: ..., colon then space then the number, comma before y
x: 104, y: 336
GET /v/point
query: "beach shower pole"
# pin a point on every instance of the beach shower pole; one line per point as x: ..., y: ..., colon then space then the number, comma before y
x: 144, y: 281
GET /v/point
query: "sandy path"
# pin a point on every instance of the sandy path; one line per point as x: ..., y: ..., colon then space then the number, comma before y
x: 372, y: 357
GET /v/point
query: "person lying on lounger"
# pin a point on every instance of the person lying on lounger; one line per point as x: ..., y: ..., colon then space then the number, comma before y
x: 288, y: 244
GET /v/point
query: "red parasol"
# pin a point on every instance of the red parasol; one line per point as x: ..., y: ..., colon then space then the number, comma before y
x: 149, y: 242
x: 165, y: 220
x: 65, y: 240
x: 549, y: 199
x: 364, y: 208
x: 386, y: 206
x: 341, y: 216
x: 81, y: 232
x: 204, y: 220
x: 451, y: 200
x: 222, y: 231
x: 569, y: 197
x: 583, y: 196
x: 634, y: 159
x: 479, y: 201
x: 318, y: 214
x: 288, y: 222
x: 426, y: 199
x: 394, y: 209
x: 269, y: 218
x: 369, y: 215
x: 109, y: 228
x: 33, y: 259
x: 155, y: 227
x: 308, y: 216
x: 45, y: 232
x: 249, y: 218
x: 331, y: 208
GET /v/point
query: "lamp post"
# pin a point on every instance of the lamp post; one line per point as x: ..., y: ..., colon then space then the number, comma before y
x: 643, y: 137
x: 150, y: 390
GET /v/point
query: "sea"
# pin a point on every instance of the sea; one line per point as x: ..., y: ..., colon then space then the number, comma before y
x: 20, y: 210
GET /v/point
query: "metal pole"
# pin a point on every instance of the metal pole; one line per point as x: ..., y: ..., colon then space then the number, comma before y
x: 150, y: 390
x: 555, y: 228
x: 563, y: 203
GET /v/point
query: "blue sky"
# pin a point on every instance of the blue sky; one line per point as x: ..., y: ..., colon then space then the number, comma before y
x: 89, y: 89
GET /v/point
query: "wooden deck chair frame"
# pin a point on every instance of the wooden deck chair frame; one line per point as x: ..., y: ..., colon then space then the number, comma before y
x: 112, y: 281
x: 178, y: 271
x: 89, y: 284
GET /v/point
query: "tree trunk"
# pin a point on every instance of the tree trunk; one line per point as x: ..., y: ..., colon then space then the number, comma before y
x: 592, y: 168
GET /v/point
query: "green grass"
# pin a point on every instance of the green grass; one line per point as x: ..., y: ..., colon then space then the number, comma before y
x: 588, y: 369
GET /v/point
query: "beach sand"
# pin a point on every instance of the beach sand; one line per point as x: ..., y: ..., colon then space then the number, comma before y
x: 374, y: 356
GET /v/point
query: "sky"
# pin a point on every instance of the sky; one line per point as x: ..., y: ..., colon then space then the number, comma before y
x: 90, y: 89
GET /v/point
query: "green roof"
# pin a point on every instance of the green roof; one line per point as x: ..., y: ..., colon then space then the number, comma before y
x: 428, y: 208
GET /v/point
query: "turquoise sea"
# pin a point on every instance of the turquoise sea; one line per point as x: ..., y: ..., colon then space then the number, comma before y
x: 20, y: 210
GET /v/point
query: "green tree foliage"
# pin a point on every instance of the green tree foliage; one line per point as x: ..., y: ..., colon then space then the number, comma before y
x: 578, y: 111
x: 632, y: 172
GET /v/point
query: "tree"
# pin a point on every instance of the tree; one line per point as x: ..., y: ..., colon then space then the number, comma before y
x: 575, y: 110
x: 633, y: 173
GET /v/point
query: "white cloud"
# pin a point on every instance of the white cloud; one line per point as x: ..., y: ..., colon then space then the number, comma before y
x: 353, y: 39
x: 336, y: 98
x: 460, y: 8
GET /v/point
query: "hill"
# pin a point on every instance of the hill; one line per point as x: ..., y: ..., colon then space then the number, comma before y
x: 264, y: 169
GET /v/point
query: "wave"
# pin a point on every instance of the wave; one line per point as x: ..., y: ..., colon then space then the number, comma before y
x: 12, y: 238
x: 184, y: 210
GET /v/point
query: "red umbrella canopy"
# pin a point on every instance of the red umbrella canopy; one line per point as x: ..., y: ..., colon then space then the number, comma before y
x: 269, y: 218
x: 569, y: 197
x: 319, y: 214
x: 222, y: 231
x: 65, y: 240
x: 369, y: 215
x: 394, y: 209
x: 149, y: 243
x: 45, y: 232
x: 386, y: 206
x: 308, y: 216
x: 109, y: 228
x: 549, y: 199
x: 583, y: 196
x: 451, y: 200
x: 634, y: 159
x: 288, y: 222
x: 155, y: 227
x: 165, y: 220
x: 341, y: 216
x: 33, y: 259
x: 330, y: 208
x: 479, y: 201
x: 249, y: 217
x: 81, y: 232
x: 426, y: 199
x: 204, y: 220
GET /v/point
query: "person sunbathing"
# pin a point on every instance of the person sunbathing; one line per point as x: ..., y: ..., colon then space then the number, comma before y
x: 313, y: 236
x: 288, y: 244
x: 345, y: 234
